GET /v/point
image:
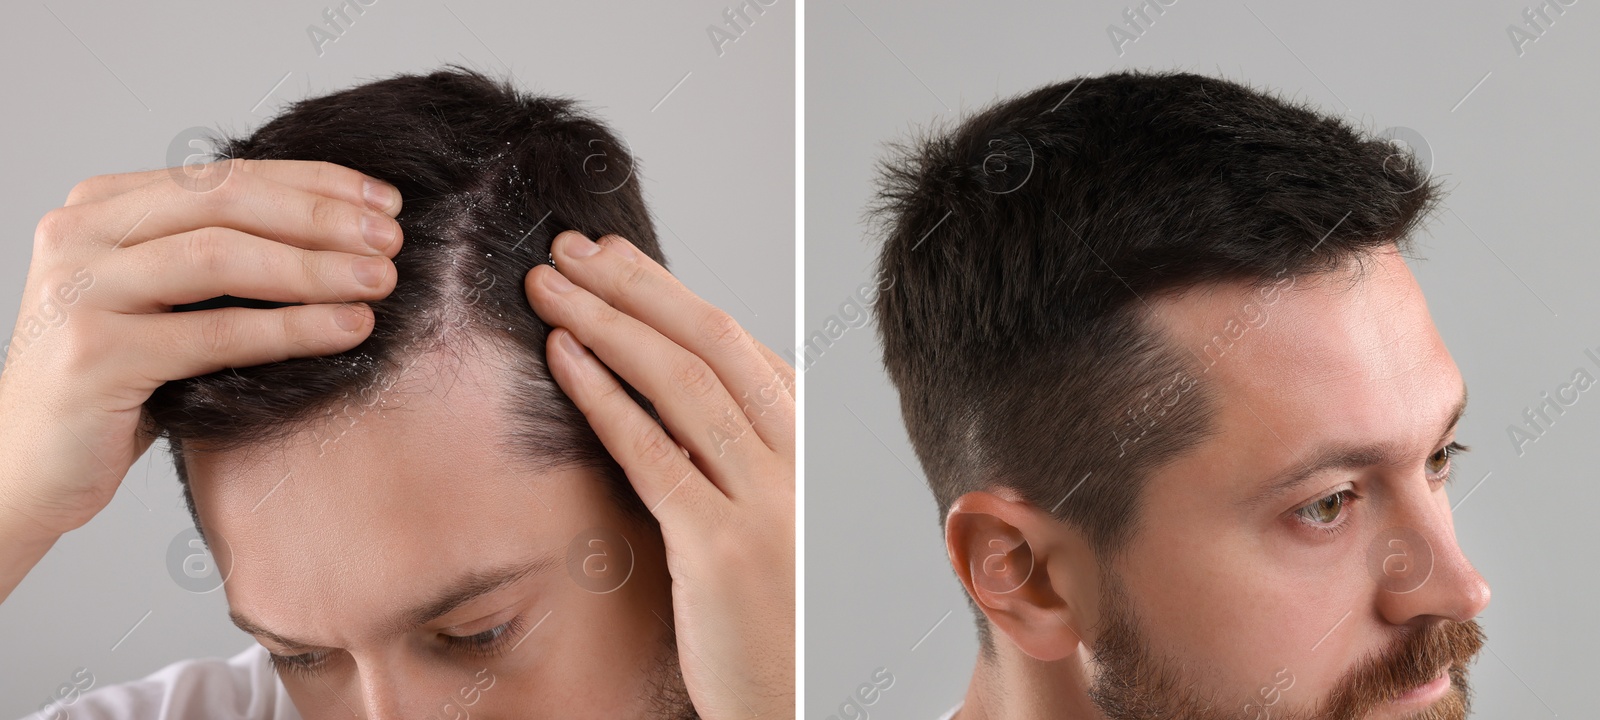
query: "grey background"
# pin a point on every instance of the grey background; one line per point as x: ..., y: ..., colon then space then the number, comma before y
x: 100, y: 87
x: 1513, y: 296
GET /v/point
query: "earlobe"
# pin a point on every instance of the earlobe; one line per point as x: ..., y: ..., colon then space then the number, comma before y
x: 1008, y: 555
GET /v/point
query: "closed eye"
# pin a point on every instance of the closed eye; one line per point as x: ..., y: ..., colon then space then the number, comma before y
x: 488, y: 643
x: 302, y: 665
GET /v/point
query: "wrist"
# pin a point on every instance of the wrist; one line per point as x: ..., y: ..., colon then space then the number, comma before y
x: 23, y: 542
x: 21, y: 527
x: 22, y: 531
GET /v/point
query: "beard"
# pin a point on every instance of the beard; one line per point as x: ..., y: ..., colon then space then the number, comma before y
x: 668, y: 696
x: 1134, y: 684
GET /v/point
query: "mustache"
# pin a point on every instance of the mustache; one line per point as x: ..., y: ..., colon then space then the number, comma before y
x: 1415, y: 659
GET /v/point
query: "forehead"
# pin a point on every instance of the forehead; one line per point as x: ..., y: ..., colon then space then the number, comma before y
x: 1343, y: 356
x: 405, y: 488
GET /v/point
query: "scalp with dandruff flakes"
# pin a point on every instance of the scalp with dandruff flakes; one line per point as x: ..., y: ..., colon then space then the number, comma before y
x: 489, y: 175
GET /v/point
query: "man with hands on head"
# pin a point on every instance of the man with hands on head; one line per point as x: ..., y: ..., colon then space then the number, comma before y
x: 732, y: 470
x: 319, y: 301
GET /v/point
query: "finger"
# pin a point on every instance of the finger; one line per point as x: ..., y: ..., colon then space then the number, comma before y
x: 782, y: 369
x: 245, y: 201
x: 628, y: 280
x: 784, y: 372
x: 687, y: 394
x: 781, y: 424
x: 665, y: 478
x: 323, y: 178
x: 215, y: 261
x: 173, y: 346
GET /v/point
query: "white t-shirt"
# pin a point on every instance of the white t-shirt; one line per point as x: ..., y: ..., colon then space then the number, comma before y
x: 243, y: 687
x: 951, y: 714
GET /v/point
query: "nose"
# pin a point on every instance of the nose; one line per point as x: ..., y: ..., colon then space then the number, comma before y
x: 391, y: 686
x: 380, y: 694
x: 1420, y: 568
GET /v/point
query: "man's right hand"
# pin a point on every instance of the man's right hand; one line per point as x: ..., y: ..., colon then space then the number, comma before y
x: 95, y: 335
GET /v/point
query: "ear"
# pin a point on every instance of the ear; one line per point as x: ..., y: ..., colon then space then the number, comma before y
x: 1032, y: 576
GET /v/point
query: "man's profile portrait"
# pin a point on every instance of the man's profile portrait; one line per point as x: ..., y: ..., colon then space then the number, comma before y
x: 1181, y: 403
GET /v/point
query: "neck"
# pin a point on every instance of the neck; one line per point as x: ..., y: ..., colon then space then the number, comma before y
x: 1010, y: 685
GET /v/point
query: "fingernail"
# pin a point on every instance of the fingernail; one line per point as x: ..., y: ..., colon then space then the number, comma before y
x: 580, y: 247
x: 569, y: 344
x: 378, y: 195
x: 378, y: 230
x: 369, y: 270
x: 558, y: 282
x: 350, y: 318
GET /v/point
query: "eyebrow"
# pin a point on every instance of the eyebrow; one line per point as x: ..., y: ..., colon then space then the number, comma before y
x: 462, y: 590
x: 1346, y: 457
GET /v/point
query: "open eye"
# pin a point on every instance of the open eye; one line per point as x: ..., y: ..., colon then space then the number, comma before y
x: 1439, y: 465
x: 1330, y: 513
x: 1326, y: 511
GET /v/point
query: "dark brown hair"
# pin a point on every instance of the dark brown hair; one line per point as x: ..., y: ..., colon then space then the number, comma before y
x: 1019, y: 246
x: 489, y: 176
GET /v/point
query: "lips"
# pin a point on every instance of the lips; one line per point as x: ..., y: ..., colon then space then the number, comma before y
x: 1424, y: 688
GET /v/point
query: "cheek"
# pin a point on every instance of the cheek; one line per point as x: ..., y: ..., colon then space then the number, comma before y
x: 1258, y: 624
x: 588, y: 653
x: 599, y: 644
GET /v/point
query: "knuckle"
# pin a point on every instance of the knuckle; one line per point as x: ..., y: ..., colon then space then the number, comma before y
x: 608, y: 392
x: 83, y: 190
x: 608, y: 316
x: 205, y: 251
x: 693, y: 377
x: 325, y: 267
x: 52, y: 230
x: 322, y: 175
x: 293, y: 326
x: 332, y: 175
x: 325, y: 214
x: 634, y: 279
x: 228, y: 191
x: 215, y: 334
x: 719, y: 331
x: 654, y: 448
x: 84, y: 348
